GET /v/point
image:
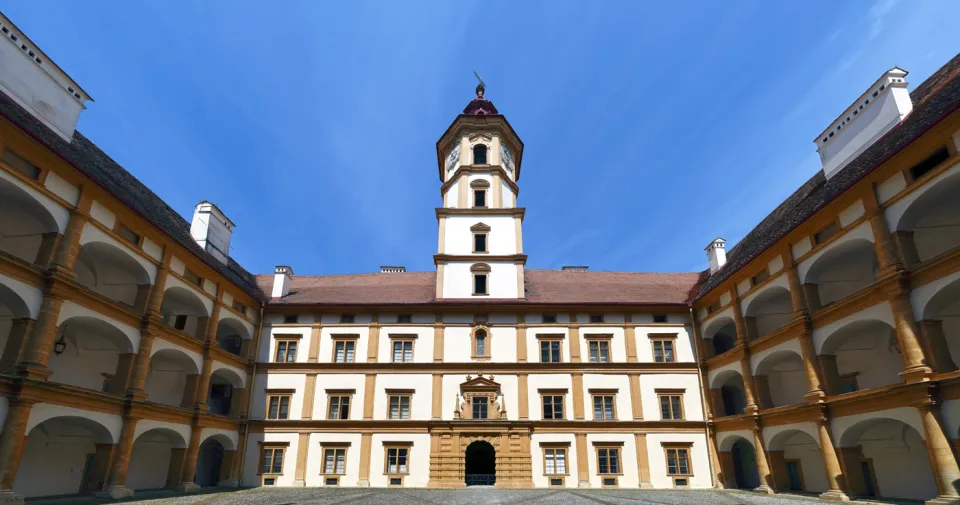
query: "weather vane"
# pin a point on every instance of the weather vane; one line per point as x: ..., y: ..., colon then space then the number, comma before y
x: 480, y: 85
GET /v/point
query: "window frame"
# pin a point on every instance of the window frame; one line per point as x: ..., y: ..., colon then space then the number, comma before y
x: 480, y: 270
x: 127, y: 233
x: 609, y: 446
x: 662, y: 338
x: 604, y: 393
x: 348, y: 318
x: 826, y: 232
x: 563, y: 447
x: 474, y: 149
x: 848, y: 378
x: 339, y: 394
x: 192, y: 277
x: 400, y: 394
x: 684, y: 447
x: 486, y: 343
x: 401, y: 317
x: 398, y: 446
x: 550, y: 338
x: 334, y: 447
x: 548, y: 319
x: 596, y: 319
x: 286, y: 339
x: 280, y: 394
x: 272, y: 448
x: 671, y: 393
x: 31, y: 167
x: 344, y: 339
x: 607, y: 340
x: 553, y: 393
x: 291, y: 318
x: 664, y: 318
x: 403, y: 339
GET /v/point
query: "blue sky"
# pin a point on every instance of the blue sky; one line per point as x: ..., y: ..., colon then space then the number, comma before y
x: 649, y: 128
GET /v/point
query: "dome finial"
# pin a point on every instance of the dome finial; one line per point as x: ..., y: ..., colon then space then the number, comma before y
x: 480, y: 87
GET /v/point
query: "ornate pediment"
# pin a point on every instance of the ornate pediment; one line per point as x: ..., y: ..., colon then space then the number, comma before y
x: 480, y: 398
x: 479, y: 383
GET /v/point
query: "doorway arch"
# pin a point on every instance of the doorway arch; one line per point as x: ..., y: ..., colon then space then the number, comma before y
x: 209, y: 462
x: 480, y: 464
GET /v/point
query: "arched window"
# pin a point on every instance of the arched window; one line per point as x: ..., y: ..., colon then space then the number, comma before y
x: 481, y: 274
x: 479, y: 154
x: 480, y: 343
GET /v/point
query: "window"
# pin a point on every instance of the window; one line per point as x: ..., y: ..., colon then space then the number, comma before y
x: 671, y: 405
x: 479, y: 154
x: 928, y: 164
x: 760, y: 277
x: 715, y: 306
x: 479, y: 198
x: 347, y: 318
x: 550, y: 350
x: 128, y: 234
x: 848, y: 383
x: 338, y: 405
x: 272, y: 459
x: 180, y: 322
x: 278, y: 404
x: 286, y: 351
x: 825, y: 233
x: 603, y: 406
x: 596, y: 318
x: 555, y: 461
x: 678, y: 461
x: 404, y: 318
x: 334, y: 460
x: 599, y: 350
x: 402, y: 350
x: 480, y: 344
x: 396, y: 462
x: 239, y: 307
x: 399, y: 405
x: 479, y: 406
x: 290, y: 318
x: 549, y: 318
x: 552, y: 402
x: 479, y: 242
x: 661, y: 318
x: 663, y: 350
x: 192, y: 277
x: 344, y: 349
x: 20, y: 165
x: 608, y: 461
x: 480, y: 272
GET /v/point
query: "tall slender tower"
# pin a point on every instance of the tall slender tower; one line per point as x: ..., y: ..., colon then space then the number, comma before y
x: 480, y: 248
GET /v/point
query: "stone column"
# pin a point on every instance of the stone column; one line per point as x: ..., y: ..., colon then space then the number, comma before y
x: 762, y: 385
x: 203, y: 383
x: 226, y: 469
x: 763, y: 469
x: 583, y: 471
x: 121, y: 376
x: 906, y: 248
x: 175, y: 469
x: 945, y: 469
x: 643, y: 460
x: 187, y: 484
x: 69, y: 245
x: 236, y: 467
x: 719, y: 472
x: 155, y: 300
x: 779, y: 468
x: 142, y: 298
x: 48, y: 246
x: 811, y: 292
x: 366, y: 445
x: 117, y: 478
x: 237, y: 402
x: 750, y: 323
x: 808, y: 354
x: 797, y: 300
x: 882, y: 243
x: 935, y: 345
x: 12, y: 440
x: 97, y: 479
x: 141, y: 367
x: 36, y: 352
x: 748, y: 390
x: 830, y: 373
x: 738, y: 321
x: 19, y: 330
x: 831, y: 465
x: 915, y: 364
x: 574, y: 330
x: 850, y: 458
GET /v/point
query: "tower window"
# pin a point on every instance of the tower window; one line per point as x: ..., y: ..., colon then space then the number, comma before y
x: 480, y: 154
x: 480, y: 273
x: 479, y: 242
x: 479, y: 198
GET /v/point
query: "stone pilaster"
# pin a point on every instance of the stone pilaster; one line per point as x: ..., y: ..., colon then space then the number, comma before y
x: 944, y: 463
x: 69, y: 244
x: 12, y: 440
x: 141, y: 367
x: 36, y: 352
x: 117, y: 475
x: 763, y: 468
x: 915, y: 364
x: 20, y: 329
x: 190, y: 462
x: 831, y: 464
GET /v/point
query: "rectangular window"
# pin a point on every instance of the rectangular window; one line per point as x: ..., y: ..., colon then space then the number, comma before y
x: 479, y: 198
x: 760, y: 277
x: 272, y: 458
x: 344, y: 350
x: 659, y: 318
x: 479, y: 284
x: 402, y: 351
x: 128, y: 234
x: 396, y: 461
x: 286, y: 351
x: 553, y: 406
x: 663, y: 350
x: 239, y: 307
x: 479, y: 242
x: 193, y: 277
x: 608, y: 460
x: 180, y: 322
x: 678, y: 461
x: 399, y: 406
x: 347, y: 318
x: 596, y: 318
x: 671, y: 406
x: 278, y: 406
x: 599, y: 351
x: 334, y: 460
x: 603, y: 408
x: 338, y: 408
x: 549, y: 318
x: 404, y: 318
x: 928, y: 164
x: 848, y: 383
x: 20, y: 164
x: 479, y: 407
x: 825, y: 233
x: 290, y: 318
x: 550, y: 351
x: 715, y: 306
x: 555, y: 461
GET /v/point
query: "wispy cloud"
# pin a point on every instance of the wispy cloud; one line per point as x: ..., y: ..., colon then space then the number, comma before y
x: 877, y: 13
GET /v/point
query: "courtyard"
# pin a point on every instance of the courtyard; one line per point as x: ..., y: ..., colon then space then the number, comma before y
x: 470, y: 496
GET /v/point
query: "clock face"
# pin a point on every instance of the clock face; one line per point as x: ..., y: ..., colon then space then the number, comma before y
x: 506, y: 156
x: 453, y: 159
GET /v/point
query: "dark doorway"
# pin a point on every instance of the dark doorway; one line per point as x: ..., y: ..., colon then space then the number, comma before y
x: 481, y: 464
x: 794, y: 476
x: 745, y: 465
x: 209, y: 460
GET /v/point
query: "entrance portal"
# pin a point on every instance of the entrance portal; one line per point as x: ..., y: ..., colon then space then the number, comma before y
x: 481, y: 464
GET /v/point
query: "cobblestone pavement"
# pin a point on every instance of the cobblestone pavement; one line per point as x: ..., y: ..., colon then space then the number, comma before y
x: 472, y: 496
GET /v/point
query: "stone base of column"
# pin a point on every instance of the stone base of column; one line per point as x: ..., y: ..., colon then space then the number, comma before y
x: 233, y: 483
x: 940, y: 500
x: 834, y: 496
x: 115, y: 493
x: 299, y: 483
x: 646, y: 485
x: 763, y: 489
x: 34, y: 372
x: 188, y: 487
x: 363, y: 483
x: 815, y: 396
x: 918, y: 374
x: 583, y: 484
x: 10, y: 498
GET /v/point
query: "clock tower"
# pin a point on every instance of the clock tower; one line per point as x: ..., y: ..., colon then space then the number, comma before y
x: 480, y: 248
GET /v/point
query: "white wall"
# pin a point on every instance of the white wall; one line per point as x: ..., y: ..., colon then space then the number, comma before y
x: 268, y: 344
x: 252, y: 466
x: 535, y: 382
x: 608, y: 381
x: 501, y: 280
x: 421, y: 403
x: 340, y: 381
x: 628, y: 459
x: 501, y: 239
x: 327, y: 334
x: 315, y: 458
x: 571, y: 480
x: 682, y: 346
x: 418, y: 459
x: 649, y: 383
x: 699, y: 459
x: 422, y: 346
x: 457, y: 345
x: 277, y: 381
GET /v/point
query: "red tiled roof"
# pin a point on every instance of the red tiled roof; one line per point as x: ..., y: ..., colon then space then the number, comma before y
x: 542, y: 287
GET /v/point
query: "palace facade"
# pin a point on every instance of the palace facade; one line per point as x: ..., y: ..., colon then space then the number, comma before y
x: 817, y: 355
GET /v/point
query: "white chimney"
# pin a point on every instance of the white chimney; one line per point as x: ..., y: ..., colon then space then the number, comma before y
x: 717, y: 254
x: 282, y: 278
x: 392, y: 270
x: 212, y: 230
x: 36, y: 83
x: 873, y: 114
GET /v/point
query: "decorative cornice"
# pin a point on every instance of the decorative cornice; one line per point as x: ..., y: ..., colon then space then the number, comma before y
x: 481, y: 211
x: 480, y: 258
